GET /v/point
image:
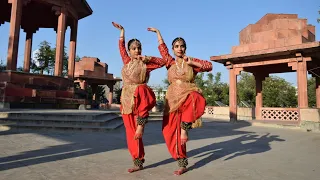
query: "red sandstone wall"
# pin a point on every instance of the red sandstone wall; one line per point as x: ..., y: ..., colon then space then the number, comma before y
x: 275, y: 30
x: 90, y: 66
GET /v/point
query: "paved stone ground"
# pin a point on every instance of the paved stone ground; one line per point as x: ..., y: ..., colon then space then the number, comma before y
x: 217, y: 151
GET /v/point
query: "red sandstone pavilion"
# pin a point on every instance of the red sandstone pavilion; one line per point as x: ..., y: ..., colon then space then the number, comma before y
x: 277, y: 43
x: 23, y: 89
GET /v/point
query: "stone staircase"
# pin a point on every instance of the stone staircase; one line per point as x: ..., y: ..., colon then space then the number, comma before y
x: 65, y: 120
x: 155, y: 117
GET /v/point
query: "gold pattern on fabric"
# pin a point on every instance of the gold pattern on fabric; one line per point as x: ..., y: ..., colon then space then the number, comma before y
x: 133, y: 75
x: 181, y: 79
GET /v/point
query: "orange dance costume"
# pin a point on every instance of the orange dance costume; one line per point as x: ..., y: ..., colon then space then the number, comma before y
x: 184, y: 102
x: 136, y: 98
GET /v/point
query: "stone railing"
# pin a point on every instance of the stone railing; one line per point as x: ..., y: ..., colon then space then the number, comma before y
x: 272, y: 114
x: 280, y: 114
x: 287, y: 115
x: 222, y: 113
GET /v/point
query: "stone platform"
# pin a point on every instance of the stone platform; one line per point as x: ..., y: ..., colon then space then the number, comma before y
x: 89, y: 120
x: 27, y: 90
x: 61, y: 119
x: 219, y: 150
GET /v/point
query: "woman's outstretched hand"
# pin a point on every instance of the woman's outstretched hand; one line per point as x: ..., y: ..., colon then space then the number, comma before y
x: 118, y: 26
x: 153, y: 29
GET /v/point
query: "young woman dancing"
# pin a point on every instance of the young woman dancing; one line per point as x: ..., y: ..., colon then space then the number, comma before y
x: 137, y: 99
x: 184, y: 102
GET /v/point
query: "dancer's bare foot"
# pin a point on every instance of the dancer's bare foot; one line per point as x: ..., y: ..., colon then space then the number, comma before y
x: 184, y: 137
x: 135, y: 168
x: 181, y: 171
x: 139, y: 132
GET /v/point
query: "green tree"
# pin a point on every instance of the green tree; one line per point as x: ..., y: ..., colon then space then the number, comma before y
x: 44, y: 59
x: 199, y: 81
x: 101, y: 93
x: 77, y: 58
x: 166, y: 82
x: 212, y: 88
x: 246, y: 88
x: 277, y: 92
x: 312, y: 91
x: 117, y: 92
x: 20, y: 69
x: 64, y: 61
x: 160, y: 90
x: 318, y: 18
x: 221, y: 89
x: 4, y: 66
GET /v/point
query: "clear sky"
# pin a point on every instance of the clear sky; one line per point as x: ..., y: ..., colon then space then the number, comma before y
x: 209, y: 28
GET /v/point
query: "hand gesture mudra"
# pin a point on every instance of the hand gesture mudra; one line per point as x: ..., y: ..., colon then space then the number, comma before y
x: 142, y: 58
x: 152, y: 29
x: 118, y: 26
x: 187, y: 60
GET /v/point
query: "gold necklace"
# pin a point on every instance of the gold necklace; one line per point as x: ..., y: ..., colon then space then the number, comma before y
x: 129, y: 69
x: 180, y: 70
x: 130, y: 63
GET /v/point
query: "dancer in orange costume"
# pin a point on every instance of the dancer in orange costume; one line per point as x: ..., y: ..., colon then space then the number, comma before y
x: 136, y: 97
x: 184, y: 101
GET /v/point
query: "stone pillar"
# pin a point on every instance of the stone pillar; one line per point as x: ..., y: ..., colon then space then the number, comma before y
x: 72, y: 49
x: 27, y: 52
x: 110, y: 94
x: 15, y: 22
x: 233, y: 95
x: 61, y: 30
x: 259, y: 99
x: 318, y: 91
x: 302, y: 84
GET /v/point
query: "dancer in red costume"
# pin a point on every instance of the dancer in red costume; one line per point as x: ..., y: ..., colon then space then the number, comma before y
x: 184, y: 101
x: 136, y: 97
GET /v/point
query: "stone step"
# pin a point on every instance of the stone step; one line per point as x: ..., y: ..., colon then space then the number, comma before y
x: 152, y: 116
x: 155, y: 117
x: 73, y: 122
x: 61, y: 119
x: 66, y: 120
x: 56, y: 116
x: 111, y: 126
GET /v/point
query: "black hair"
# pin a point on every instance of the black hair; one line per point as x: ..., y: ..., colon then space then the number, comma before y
x: 179, y: 39
x: 131, y: 41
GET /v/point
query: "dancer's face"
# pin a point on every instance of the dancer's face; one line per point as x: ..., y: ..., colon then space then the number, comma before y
x: 179, y: 48
x: 135, y: 50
